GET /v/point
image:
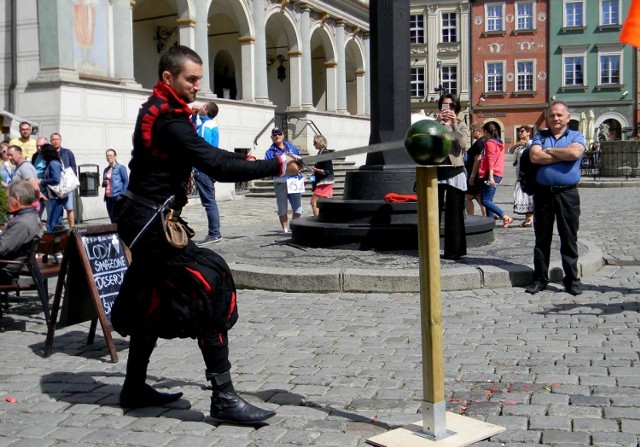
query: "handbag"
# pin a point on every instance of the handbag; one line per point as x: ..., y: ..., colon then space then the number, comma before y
x: 68, y: 183
x: 176, y: 230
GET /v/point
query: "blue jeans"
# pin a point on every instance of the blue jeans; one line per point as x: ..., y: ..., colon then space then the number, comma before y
x: 487, y: 194
x: 54, y: 212
x: 282, y: 196
x: 207, y: 192
x: 110, y: 202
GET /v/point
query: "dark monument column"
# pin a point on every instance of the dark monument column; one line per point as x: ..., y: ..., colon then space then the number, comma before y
x: 390, y: 80
x: 362, y: 219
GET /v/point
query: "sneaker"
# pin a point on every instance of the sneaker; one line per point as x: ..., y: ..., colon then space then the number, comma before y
x: 286, y: 230
x: 211, y: 239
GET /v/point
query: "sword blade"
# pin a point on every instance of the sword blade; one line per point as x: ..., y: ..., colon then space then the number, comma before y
x: 378, y: 147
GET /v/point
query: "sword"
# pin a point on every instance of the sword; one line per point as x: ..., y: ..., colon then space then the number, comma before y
x: 161, y: 209
x: 378, y: 147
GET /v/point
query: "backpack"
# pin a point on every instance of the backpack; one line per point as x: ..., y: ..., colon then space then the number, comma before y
x: 198, y: 293
x: 191, y: 295
x: 527, y: 173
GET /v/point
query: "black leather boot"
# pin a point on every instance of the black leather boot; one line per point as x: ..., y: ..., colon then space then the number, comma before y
x: 144, y: 395
x: 228, y: 406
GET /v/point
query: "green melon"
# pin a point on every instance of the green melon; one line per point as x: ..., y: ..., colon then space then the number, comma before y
x: 427, y: 143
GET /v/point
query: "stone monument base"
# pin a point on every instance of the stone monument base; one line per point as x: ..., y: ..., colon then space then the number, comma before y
x: 375, y: 225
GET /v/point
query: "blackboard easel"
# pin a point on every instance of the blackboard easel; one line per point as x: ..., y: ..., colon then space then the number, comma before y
x: 91, y: 273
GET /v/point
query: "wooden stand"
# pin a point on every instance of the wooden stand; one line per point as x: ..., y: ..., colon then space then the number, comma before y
x: 438, y: 427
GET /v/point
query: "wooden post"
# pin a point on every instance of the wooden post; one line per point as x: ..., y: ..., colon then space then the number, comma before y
x: 434, y: 406
x: 438, y: 427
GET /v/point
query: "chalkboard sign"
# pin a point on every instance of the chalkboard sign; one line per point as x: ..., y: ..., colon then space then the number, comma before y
x: 91, y: 273
x: 108, y: 262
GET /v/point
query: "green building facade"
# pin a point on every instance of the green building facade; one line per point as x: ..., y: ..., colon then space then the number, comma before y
x: 589, y: 69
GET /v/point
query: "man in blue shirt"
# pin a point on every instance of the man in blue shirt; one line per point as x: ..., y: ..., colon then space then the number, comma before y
x: 208, y: 130
x: 558, y: 150
x: 281, y: 185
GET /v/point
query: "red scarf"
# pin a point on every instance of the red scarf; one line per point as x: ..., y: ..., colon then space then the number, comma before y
x: 166, y: 93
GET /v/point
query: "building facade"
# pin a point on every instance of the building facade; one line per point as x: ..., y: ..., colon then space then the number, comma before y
x: 439, y: 53
x: 594, y: 73
x: 509, y: 64
x: 83, y: 67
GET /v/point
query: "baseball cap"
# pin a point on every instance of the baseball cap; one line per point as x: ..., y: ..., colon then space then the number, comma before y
x: 276, y: 131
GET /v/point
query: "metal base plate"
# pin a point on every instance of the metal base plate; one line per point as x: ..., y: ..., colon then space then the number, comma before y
x: 461, y: 431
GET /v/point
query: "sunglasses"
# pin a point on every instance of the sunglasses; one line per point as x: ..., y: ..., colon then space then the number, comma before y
x: 277, y: 134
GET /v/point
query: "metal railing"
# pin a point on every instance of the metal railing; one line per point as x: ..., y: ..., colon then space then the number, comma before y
x: 612, y: 159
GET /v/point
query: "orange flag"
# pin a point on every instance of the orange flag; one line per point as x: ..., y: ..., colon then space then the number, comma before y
x: 631, y: 30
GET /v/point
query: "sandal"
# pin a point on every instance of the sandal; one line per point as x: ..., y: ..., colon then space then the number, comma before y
x: 526, y: 224
x: 506, y: 221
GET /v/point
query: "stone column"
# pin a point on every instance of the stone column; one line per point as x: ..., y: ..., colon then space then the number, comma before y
x: 306, y: 79
x: 201, y: 43
x: 367, y: 74
x: 55, y: 31
x: 123, y: 41
x: 260, y: 63
x: 341, y: 67
x: 186, y: 33
x: 433, y: 29
x: 332, y: 95
x: 294, y: 80
x: 463, y: 79
x: 246, y: 57
x: 360, y: 92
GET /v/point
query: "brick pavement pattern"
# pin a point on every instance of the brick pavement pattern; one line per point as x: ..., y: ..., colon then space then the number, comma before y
x: 554, y: 369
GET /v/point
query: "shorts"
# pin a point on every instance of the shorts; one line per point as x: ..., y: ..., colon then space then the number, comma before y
x: 69, y: 203
x: 325, y: 191
x: 282, y: 196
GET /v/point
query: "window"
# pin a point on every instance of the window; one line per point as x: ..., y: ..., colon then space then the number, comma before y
x: 494, y: 18
x: 610, y: 12
x: 609, y: 69
x: 417, y: 82
x: 449, y: 78
x: 416, y: 29
x: 524, y: 76
x: 573, y: 73
x: 495, y: 77
x: 574, y: 70
x: 524, y: 15
x: 449, y: 27
x: 573, y: 13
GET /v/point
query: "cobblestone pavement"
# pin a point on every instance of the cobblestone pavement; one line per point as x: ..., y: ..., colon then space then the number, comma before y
x: 338, y: 368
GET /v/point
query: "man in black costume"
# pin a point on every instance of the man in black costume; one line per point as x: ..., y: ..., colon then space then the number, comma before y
x: 165, y: 149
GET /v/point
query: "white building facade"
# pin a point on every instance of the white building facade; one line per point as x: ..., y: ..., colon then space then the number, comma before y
x: 83, y: 68
x: 440, y: 54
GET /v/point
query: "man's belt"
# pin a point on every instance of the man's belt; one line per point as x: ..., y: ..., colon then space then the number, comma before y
x: 557, y: 188
x: 146, y: 202
x: 160, y: 210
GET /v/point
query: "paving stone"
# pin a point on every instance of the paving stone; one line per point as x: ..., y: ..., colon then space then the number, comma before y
x: 622, y: 412
x: 595, y: 425
x: 589, y: 400
x: 630, y: 426
x: 562, y: 437
x: 615, y: 439
x: 537, y: 422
